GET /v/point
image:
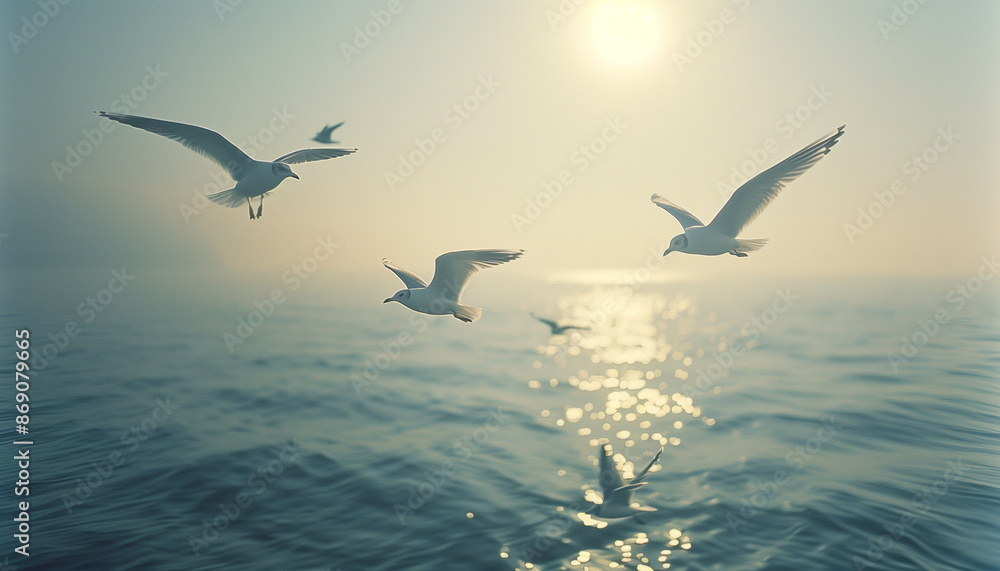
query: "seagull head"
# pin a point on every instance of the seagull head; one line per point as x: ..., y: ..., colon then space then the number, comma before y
x: 402, y: 296
x: 678, y: 243
x: 281, y: 171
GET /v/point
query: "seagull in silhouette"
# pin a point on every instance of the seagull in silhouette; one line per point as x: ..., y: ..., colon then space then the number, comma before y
x: 324, y: 135
x: 749, y: 200
x: 617, y: 495
x: 253, y: 178
x: 559, y: 328
x: 451, y: 272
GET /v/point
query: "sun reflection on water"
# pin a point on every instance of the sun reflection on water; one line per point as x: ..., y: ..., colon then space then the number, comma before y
x: 626, y: 391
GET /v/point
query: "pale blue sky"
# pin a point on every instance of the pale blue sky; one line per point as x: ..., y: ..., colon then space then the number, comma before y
x: 544, y: 89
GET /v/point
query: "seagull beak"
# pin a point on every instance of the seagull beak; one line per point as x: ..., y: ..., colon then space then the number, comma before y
x: 387, y: 300
x: 295, y: 176
x: 668, y: 251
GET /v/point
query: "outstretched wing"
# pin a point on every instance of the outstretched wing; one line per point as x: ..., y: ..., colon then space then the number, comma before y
x: 614, y: 490
x: 640, y: 477
x: 200, y: 140
x: 410, y: 280
x: 453, y: 270
x: 308, y: 155
x: 753, y: 196
x: 548, y: 322
x: 686, y: 219
x: 611, y: 480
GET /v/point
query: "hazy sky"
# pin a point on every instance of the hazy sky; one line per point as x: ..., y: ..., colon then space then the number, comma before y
x: 664, y: 97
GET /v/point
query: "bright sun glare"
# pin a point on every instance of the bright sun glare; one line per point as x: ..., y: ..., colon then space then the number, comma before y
x: 625, y: 30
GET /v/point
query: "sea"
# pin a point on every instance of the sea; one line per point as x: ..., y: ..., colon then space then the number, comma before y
x: 806, y: 423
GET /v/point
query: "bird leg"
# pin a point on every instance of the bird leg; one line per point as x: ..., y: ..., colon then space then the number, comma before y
x: 250, y: 207
x: 261, y: 207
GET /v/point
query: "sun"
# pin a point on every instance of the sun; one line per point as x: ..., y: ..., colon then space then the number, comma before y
x: 625, y: 31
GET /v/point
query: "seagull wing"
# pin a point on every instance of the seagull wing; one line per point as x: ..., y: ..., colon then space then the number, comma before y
x: 610, y: 478
x: 200, y: 140
x: 753, y: 196
x: 614, y: 490
x: 642, y: 475
x: 683, y: 216
x: 333, y: 128
x: 308, y: 155
x: 410, y: 280
x: 548, y: 322
x: 453, y: 270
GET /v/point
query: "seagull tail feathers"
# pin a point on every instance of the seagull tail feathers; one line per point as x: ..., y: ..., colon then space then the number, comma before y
x: 468, y: 314
x: 746, y: 246
x: 227, y: 198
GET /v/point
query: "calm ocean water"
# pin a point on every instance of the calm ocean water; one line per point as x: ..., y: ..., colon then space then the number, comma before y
x: 356, y: 436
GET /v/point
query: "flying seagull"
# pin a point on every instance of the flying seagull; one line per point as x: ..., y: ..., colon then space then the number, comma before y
x: 324, y: 135
x: 253, y: 178
x: 451, y: 272
x: 617, y: 494
x: 559, y: 328
x: 749, y: 200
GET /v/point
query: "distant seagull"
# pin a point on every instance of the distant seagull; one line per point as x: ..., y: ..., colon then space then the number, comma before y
x: 324, y: 135
x: 617, y: 494
x: 749, y: 200
x: 451, y: 272
x: 253, y: 178
x: 559, y: 328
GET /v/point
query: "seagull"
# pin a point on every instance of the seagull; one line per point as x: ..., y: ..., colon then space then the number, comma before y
x: 617, y: 502
x: 557, y: 327
x: 324, y: 135
x: 253, y: 178
x: 749, y: 200
x: 451, y: 272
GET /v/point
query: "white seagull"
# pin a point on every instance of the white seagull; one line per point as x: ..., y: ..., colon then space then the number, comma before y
x: 749, y: 200
x: 559, y: 327
x: 617, y: 501
x: 324, y: 135
x: 451, y: 272
x: 253, y: 178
